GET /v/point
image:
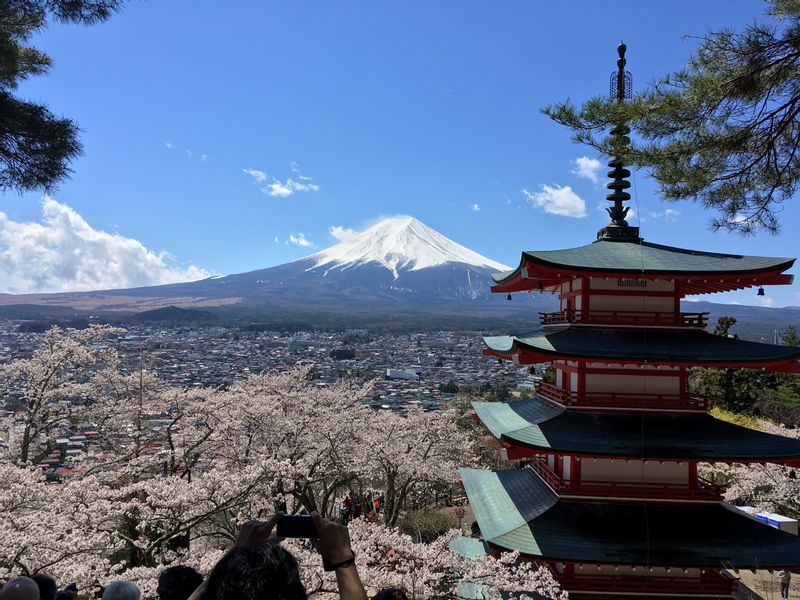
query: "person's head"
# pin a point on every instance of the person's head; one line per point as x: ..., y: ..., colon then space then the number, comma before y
x: 20, y: 588
x: 266, y: 570
x: 178, y: 583
x: 121, y: 590
x: 48, y: 588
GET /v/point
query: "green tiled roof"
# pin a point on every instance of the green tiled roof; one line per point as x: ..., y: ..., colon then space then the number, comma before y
x: 539, y: 424
x: 699, y: 535
x: 468, y: 547
x: 632, y: 256
x: 657, y: 345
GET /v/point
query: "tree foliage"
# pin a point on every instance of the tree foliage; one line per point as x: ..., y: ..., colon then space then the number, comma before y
x: 724, y: 130
x: 35, y: 145
x: 166, y: 474
x: 771, y: 395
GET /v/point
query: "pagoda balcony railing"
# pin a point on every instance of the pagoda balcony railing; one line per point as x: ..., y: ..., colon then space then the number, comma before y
x: 719, y: 584
x: 702, y: 490
x: 693, y: 402
x: 623, y: 317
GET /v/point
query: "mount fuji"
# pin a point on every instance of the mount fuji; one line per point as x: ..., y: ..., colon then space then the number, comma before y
x: 396, y: 271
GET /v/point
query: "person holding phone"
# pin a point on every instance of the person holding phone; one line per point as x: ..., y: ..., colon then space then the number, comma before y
x: 259, y: 568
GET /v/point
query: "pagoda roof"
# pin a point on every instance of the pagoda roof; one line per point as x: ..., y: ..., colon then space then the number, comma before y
x: 516, y: 510
x: 543, y: 426
x: 638, y: 259
x: 640, y: 345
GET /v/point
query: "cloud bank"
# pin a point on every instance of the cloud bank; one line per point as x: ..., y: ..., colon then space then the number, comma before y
x: 63, y: 253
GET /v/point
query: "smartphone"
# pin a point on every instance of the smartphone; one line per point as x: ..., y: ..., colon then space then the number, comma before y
x: 296, y: 526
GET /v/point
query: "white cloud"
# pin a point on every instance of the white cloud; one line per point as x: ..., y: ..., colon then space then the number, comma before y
x: 63, y: 253
x: 587, y: 168
x: 259, y: 176
x: 188, y: 154
x: 557, y: 200
x: 203, y: 157
x: 475, y: 207
x: 766, y: 301
x: 670, y: 215
x: 278, y: 189
x: 169, y: 146
x: 283, y: 189
x: 299, y: 239
x: 342, y: 234
x: 276, y: 240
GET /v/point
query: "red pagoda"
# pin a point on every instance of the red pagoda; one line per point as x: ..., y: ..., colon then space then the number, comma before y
x: 609, y: 498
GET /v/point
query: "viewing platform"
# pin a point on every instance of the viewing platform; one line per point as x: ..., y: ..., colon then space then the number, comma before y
x: 703, y: 490
x: 619, y: 400
x: 618, y: 318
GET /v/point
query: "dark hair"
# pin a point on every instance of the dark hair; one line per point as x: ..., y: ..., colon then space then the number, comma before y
x: 265, y: 571
x: 48, y: 588
x: 390, y: 594
x: 178, y: 583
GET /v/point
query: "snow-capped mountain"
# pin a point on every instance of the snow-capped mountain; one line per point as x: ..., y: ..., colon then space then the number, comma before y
x: 400, y: 243
x: 398, y: 268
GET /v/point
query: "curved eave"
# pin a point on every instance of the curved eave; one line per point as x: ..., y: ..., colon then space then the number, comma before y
x: 642, y: 346
x: 516, y: 511
x: 531, y: 427
x: 529, y: 277
x: 537, y: 273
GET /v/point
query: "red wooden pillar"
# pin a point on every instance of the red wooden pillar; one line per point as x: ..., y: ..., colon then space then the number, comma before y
x: 574, y: 470
x: 692, y: 475
x: 683, y: 382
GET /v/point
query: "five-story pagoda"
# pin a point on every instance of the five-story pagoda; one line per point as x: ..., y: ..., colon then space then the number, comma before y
x: 609, y: 498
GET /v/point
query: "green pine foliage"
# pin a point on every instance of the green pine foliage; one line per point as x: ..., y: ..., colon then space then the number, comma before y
x: 724, y: 130
x: 35, y: 145
x: 751, y: 392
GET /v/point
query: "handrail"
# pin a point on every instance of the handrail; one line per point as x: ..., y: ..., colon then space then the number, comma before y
x: 686, y: 401
x: 703, y: 490
x: 646, y: 583
x: 625, y: 317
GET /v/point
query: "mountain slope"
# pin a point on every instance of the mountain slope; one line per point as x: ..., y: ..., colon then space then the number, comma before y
x: 399, y: 272
x: 398, y: 264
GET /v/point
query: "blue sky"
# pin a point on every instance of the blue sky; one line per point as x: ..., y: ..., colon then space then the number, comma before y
x: 351, y: 111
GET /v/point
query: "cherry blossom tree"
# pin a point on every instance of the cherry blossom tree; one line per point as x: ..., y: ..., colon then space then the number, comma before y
x: 172, y: 472
x: 387, y: 558
x: 767, y: 487
x: 408, y: 452
x: 47, y: 381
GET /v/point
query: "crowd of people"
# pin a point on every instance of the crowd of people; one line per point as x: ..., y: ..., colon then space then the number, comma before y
x: 355, y: 506
x: 174, y: 583
x: 257, y: 567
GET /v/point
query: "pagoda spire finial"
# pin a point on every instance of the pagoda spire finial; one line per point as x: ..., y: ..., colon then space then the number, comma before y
x: 620, y: 89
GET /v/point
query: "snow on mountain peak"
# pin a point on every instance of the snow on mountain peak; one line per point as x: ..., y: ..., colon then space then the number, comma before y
x: 398, y: 243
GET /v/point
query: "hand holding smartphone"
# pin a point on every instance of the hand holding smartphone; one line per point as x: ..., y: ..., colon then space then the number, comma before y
x: 297, y: 526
